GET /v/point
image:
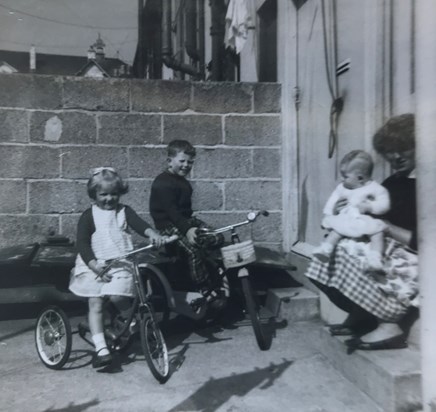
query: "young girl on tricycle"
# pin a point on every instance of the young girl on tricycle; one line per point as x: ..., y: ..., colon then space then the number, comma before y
x: 102, y: 234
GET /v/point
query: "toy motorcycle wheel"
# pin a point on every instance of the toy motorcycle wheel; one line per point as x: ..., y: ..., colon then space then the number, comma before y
x: 53, y: 338
x: 253, y: 308
x: 155, y: 349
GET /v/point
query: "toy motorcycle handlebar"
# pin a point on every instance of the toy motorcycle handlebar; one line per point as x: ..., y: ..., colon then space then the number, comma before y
x: 251, y: 217
x: 110, y: 262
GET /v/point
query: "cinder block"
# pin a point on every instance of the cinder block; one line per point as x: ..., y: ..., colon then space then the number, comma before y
x: 68, y: 225
x: 79, y: 160
x: 147, y: 162
x: 252, y: 130
x: 207, y: 195
x: 392, y: 378
x: 29, y: 162
x: 198, y: 129
x: 14, y: 126
x: 129, y: 129
x: 30, y: 91
x: 293, y: 304
x: 22, y: 229
x: 267, y: 163
x: 267, y: 228
x: 160, y: 95
x: 253, y: 195
x: 12, y: 196
x: 223, y: 163
x: 138, y: 196
x: 61, y: 128
x: 267, y: 97
x: 222, y: 97
x: 96, y: 94
x: 57, y: 197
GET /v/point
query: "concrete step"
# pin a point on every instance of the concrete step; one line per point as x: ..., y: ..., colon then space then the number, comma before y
x: 293, y: 304
x: 392, y: 378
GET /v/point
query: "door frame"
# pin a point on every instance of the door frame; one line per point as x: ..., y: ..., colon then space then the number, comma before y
x: 377, y: 106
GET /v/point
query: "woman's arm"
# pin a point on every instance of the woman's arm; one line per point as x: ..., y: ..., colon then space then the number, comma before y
x: 400, y: 234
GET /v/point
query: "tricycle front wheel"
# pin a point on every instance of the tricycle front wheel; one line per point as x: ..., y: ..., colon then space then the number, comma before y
x: 53, y: 338
x: 155, y: 348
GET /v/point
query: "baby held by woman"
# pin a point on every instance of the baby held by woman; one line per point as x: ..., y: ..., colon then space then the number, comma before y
x: 352, y: 209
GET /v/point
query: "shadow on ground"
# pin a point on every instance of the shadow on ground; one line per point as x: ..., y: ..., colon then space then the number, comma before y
x: 234, y: 385
x: 71, y: 407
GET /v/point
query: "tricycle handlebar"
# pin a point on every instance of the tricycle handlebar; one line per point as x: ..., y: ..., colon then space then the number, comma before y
x: 251, y: 217
x: 134, y: 252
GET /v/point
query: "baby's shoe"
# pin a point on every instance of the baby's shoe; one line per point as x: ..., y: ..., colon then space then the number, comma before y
x: 323, y: 252
x: 374, y: 261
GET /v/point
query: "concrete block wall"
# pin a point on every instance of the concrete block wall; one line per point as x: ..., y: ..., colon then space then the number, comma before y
x: 55, y: 129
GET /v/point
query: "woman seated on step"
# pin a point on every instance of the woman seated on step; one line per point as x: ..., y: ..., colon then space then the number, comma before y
x: 380, y: 304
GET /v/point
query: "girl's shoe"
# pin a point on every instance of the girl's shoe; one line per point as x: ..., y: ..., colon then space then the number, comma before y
x: 99, y: 361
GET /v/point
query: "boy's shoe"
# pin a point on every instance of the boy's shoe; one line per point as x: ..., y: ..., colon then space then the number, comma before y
x: 215, y: 300
x: 99, y: 361
x: 197, y: 304
x: 218, y: 304
x: 323, y: 252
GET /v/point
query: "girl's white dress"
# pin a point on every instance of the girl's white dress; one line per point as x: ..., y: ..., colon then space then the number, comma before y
x: 350, y: 222
x: 110, y: 240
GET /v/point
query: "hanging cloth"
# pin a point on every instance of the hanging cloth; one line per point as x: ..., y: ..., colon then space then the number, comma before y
x: 238, y: 20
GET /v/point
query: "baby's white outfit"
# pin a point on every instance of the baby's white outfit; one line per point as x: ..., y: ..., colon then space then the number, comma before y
x: 110, y: 240
x: 350, y: 222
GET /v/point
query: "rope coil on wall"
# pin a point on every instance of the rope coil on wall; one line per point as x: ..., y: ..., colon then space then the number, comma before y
x: 332, y: 81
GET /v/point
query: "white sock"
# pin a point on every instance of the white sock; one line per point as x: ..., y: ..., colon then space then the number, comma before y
x: 100, y: 344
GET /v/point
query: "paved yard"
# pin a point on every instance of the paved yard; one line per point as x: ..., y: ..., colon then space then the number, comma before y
x: 216, y: 369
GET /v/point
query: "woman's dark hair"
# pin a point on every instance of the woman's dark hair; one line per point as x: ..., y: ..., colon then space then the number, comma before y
x: 396, y: 135
x: 180, y: 146
x: 107, y: 175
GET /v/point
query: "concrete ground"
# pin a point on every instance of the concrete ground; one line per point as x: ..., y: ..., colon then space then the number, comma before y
x: 217, y: 368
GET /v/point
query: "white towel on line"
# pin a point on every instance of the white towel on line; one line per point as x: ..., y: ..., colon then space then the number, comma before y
x: 238, y: 20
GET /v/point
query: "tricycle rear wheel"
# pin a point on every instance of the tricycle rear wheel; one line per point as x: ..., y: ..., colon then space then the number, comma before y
x: 53, y: 337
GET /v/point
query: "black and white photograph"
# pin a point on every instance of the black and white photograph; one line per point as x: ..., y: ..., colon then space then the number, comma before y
x: 217, y: 205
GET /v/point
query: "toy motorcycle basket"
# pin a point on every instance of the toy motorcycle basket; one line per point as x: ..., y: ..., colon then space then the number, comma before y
x: 239, y: 254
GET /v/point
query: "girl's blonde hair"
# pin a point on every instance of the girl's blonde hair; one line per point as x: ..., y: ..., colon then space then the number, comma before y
x: 107, y: 175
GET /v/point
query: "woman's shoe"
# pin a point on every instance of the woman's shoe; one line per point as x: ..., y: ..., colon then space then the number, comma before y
x: 99, y: 361
x: 395, y: 342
